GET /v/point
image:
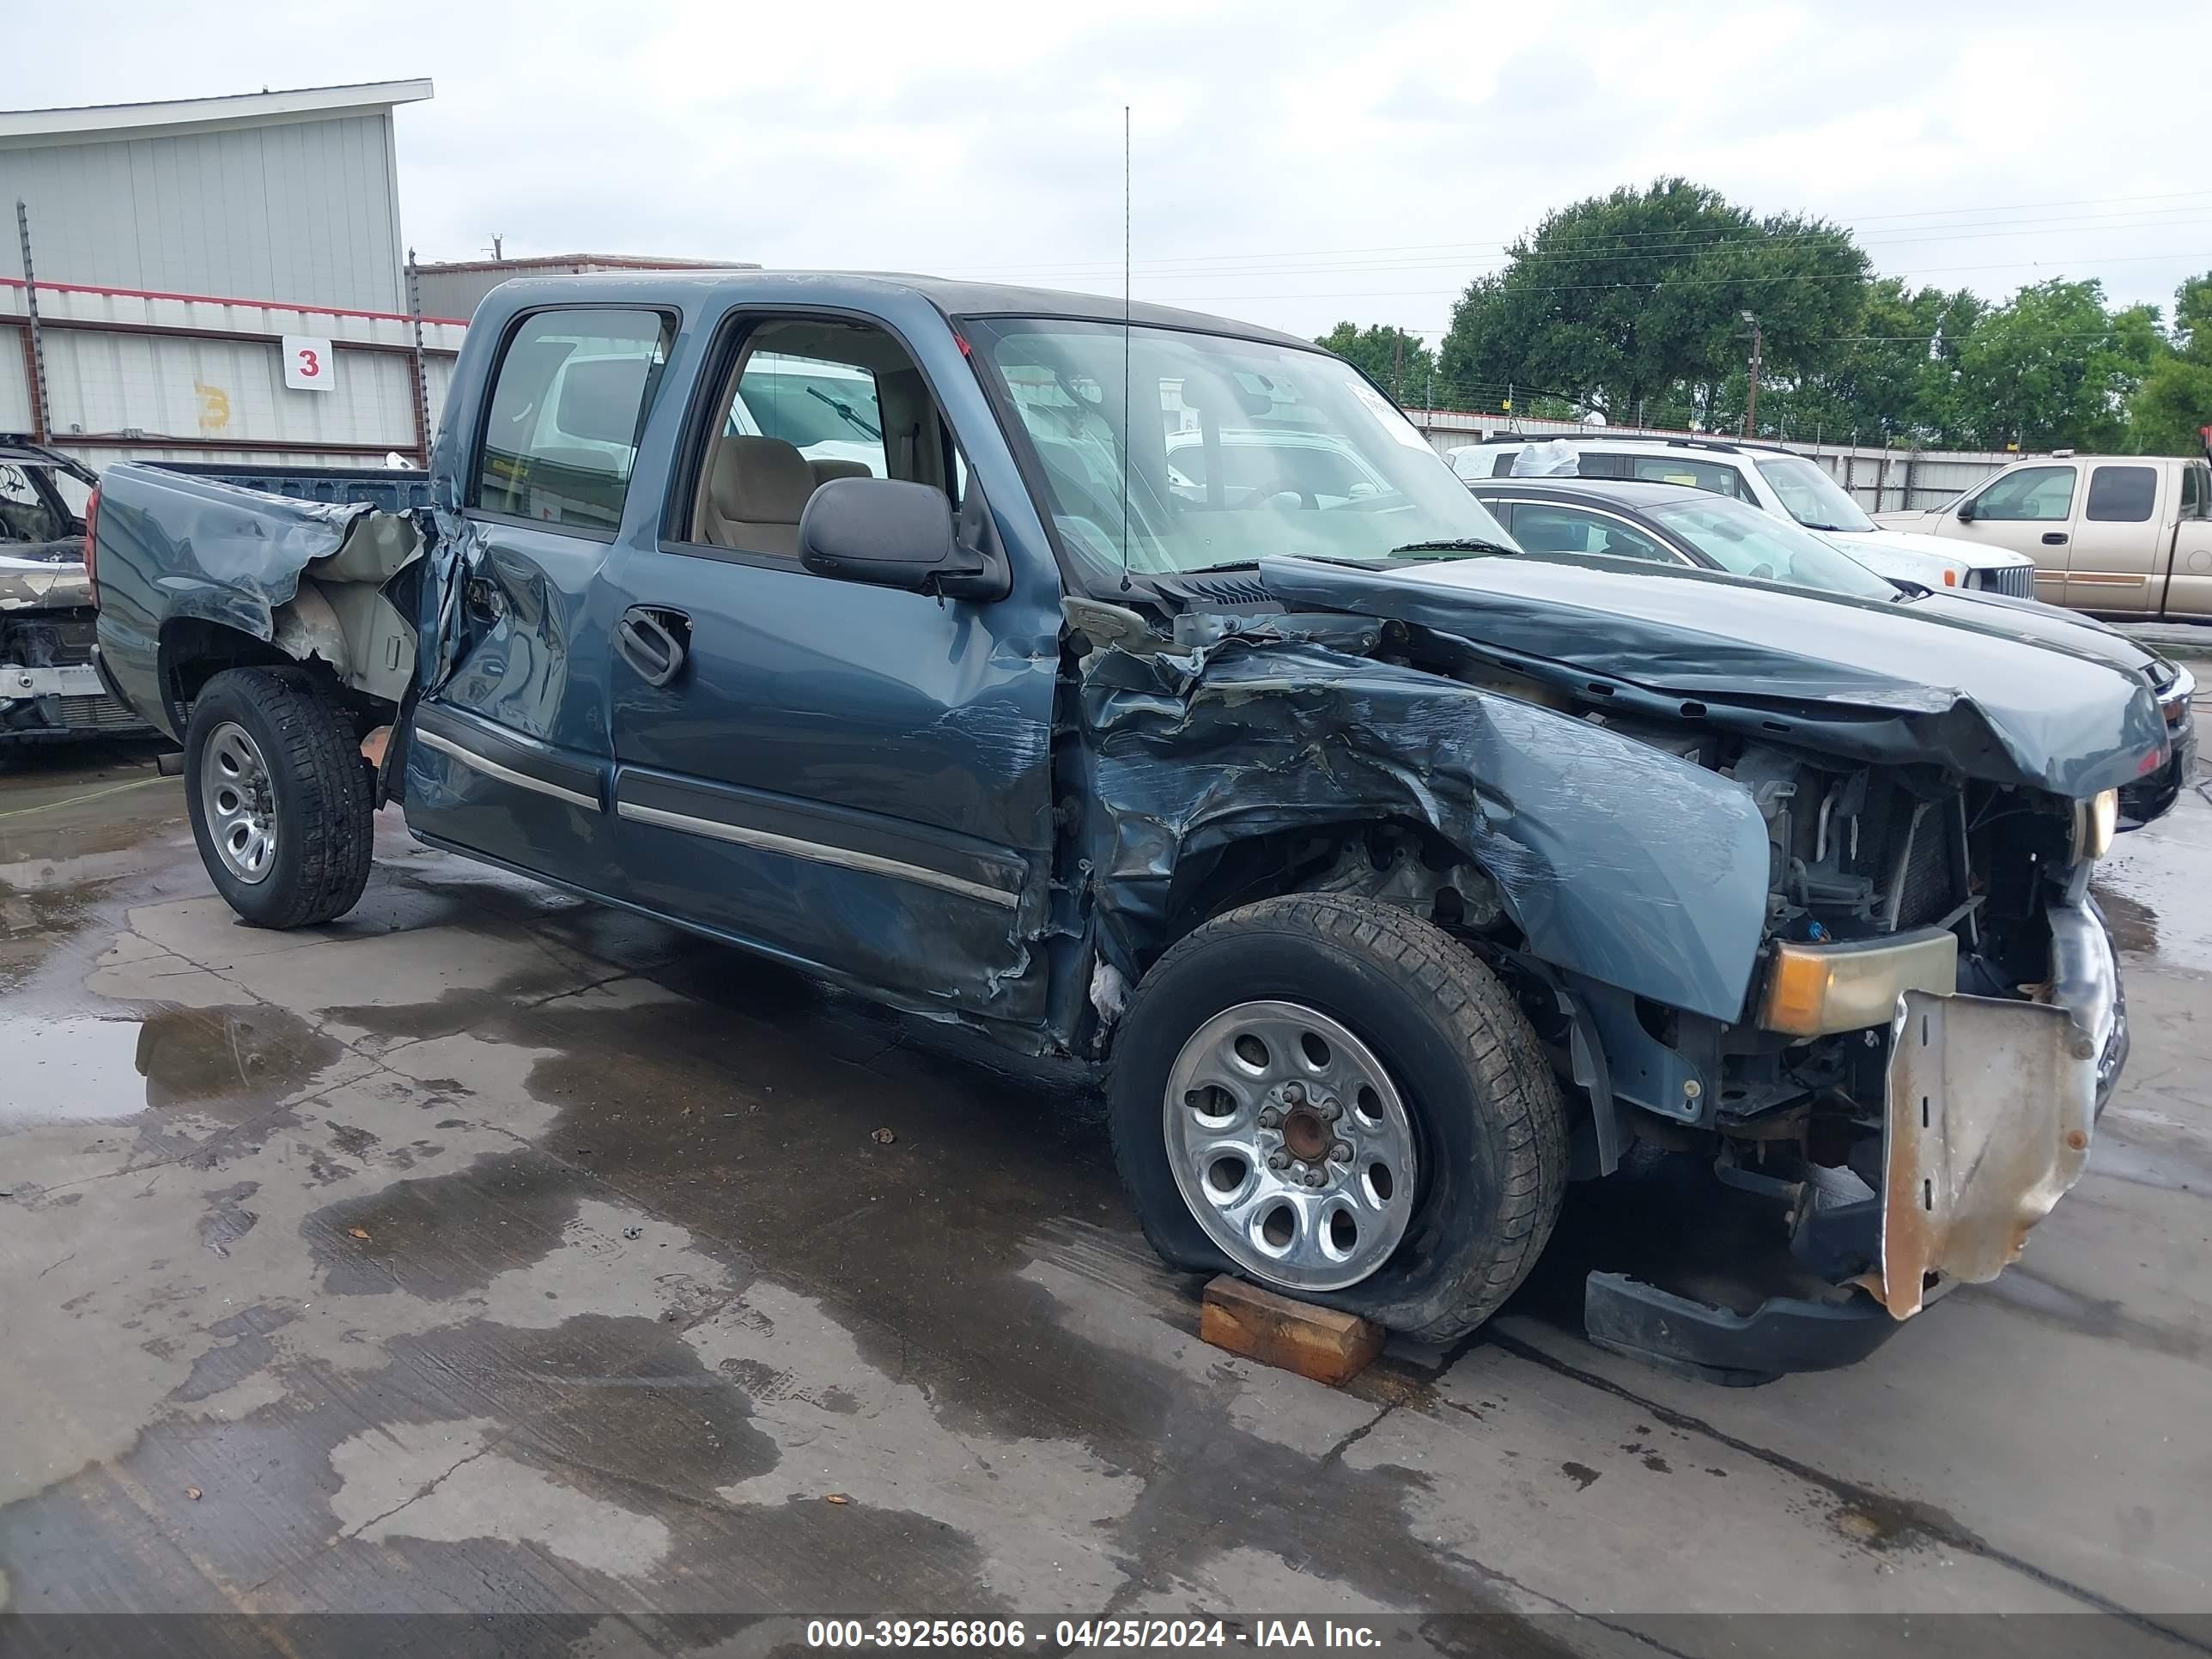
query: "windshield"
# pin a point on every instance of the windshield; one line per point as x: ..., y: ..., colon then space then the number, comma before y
x: 1814, y: 499
x: 1746, y: 541
x: 1237, y: 449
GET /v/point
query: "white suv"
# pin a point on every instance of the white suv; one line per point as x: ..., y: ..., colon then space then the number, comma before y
x: 1777, y: 480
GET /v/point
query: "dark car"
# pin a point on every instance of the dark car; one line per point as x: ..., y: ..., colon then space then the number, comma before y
x: 1668, y: 524
x: 1397, y: 875
x: 48, y: 689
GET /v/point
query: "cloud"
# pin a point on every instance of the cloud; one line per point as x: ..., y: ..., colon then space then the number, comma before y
x: 1294, y: 163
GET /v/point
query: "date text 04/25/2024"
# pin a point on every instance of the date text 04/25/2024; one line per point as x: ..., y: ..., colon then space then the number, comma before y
x: 1067, y: 1633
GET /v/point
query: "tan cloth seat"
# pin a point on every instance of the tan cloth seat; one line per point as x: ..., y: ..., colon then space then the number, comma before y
x: 826, y: 470
x: 759, y: 488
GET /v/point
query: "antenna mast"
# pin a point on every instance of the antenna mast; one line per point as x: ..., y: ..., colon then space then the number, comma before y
x: 1128, y: 413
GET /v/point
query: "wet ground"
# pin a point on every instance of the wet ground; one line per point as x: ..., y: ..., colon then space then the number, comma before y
x: 489, y: 1251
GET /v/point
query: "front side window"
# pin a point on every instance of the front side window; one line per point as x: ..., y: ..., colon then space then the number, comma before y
x: 1811, y: 496
x: 26, y: 512
x: 568, y: 402
x: 2033, y: 492
x: 1541, y: 527
x: 1339, y: 473
x: 1746, y: 541
x: 2121, y: 495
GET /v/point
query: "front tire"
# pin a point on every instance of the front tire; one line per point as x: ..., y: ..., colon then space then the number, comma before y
x: 1278, y: 1060
x: 279, y: 797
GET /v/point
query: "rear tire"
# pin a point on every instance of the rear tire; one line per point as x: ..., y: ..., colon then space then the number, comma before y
x: 279, y: 797
x: 1488, y: 1129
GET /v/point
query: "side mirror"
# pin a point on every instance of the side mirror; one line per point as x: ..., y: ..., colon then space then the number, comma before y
x: 892, y: 534
x: 1965, y: 512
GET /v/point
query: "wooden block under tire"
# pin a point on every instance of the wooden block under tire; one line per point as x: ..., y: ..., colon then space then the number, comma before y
x: 1317, y: 1342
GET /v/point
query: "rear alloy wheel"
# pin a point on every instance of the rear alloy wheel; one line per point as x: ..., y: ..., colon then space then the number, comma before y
x: 238, y: 799
x: 279, y: 799
x: 1334, y: 1097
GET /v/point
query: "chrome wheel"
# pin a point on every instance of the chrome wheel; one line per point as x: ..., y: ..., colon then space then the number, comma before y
x: 239, y: 802
x: 1290, y: 1146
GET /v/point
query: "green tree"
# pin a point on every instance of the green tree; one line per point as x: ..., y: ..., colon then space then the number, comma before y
x: 1394, y: 359
x: 1634, y: 301
x: 2053, y: 368
x: 2175, y: 399
x: 1893, y: 378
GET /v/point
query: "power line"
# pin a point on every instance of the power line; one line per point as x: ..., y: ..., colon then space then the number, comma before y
x: 1616, y: 239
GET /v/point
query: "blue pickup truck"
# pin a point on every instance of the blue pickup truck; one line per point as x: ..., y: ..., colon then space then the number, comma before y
x: 1398, y: 877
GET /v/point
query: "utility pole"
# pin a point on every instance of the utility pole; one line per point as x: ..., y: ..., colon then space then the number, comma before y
x: 1397, y: 366
x: 42, y: 414
x: 1750, y: 402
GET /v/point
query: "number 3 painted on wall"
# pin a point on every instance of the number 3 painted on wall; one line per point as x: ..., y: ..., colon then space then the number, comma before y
x: 311, y: 364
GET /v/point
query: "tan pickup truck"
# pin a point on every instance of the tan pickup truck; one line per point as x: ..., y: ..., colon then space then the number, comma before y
x: 2122, y: 536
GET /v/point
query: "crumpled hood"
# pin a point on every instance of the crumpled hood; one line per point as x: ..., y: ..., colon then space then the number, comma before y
x: 1955, y: 682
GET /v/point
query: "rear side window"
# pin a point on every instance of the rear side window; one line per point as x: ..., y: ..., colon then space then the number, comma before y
x: 567, y: 402
x: 2122, y: 494
x: 1680, y: 470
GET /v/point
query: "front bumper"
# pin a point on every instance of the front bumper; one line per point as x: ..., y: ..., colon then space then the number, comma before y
x: 1991, y: 1106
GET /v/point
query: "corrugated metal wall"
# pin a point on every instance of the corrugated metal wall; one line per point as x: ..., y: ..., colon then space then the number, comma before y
x: 299, y: 211
x: 208, y: 377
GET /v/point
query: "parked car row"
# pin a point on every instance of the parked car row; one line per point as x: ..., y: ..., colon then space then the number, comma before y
x: 1772, y: 479
x: 1405, y: 861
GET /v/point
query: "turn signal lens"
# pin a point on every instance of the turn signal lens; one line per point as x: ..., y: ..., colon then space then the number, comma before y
x: 1814, y: 989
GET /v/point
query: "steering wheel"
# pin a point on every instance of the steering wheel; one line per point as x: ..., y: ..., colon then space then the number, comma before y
x: 1284, y: 485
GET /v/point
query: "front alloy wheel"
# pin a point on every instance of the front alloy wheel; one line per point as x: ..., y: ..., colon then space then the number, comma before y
x: 1291, y: 1145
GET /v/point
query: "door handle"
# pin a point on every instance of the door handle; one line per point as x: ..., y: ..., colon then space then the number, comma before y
x: 2054, y: 539
x: 652, y: 642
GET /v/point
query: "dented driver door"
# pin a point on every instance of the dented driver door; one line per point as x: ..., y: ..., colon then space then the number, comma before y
x: 855, y: 778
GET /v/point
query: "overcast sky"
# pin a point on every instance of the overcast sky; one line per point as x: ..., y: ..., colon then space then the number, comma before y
x: 1294, y: 164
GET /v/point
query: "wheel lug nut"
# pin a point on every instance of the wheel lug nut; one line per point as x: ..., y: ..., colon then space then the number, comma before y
x: 1294, y: 1094
x: 1331, y: 1110
x: 1278, y: 1160
x: 1315, y: 1178
x: 1341, y: 1153
x: 1270, y: 1118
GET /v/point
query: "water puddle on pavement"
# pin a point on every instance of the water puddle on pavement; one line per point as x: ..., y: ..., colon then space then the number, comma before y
x: 220, y: 1063
x: 2152, y: 891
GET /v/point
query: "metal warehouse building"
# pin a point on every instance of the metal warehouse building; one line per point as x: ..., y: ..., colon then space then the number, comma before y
x: 218, y: 278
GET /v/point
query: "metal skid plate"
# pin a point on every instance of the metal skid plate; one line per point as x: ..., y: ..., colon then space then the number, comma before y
x: 1992, y: 1104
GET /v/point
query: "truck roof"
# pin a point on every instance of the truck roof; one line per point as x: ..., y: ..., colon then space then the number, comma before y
x: 860, y: 288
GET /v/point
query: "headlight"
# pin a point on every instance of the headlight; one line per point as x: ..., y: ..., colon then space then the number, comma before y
x: 2092, y: 825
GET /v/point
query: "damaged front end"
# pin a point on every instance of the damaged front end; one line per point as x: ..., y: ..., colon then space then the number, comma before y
x: 1812, y: 922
